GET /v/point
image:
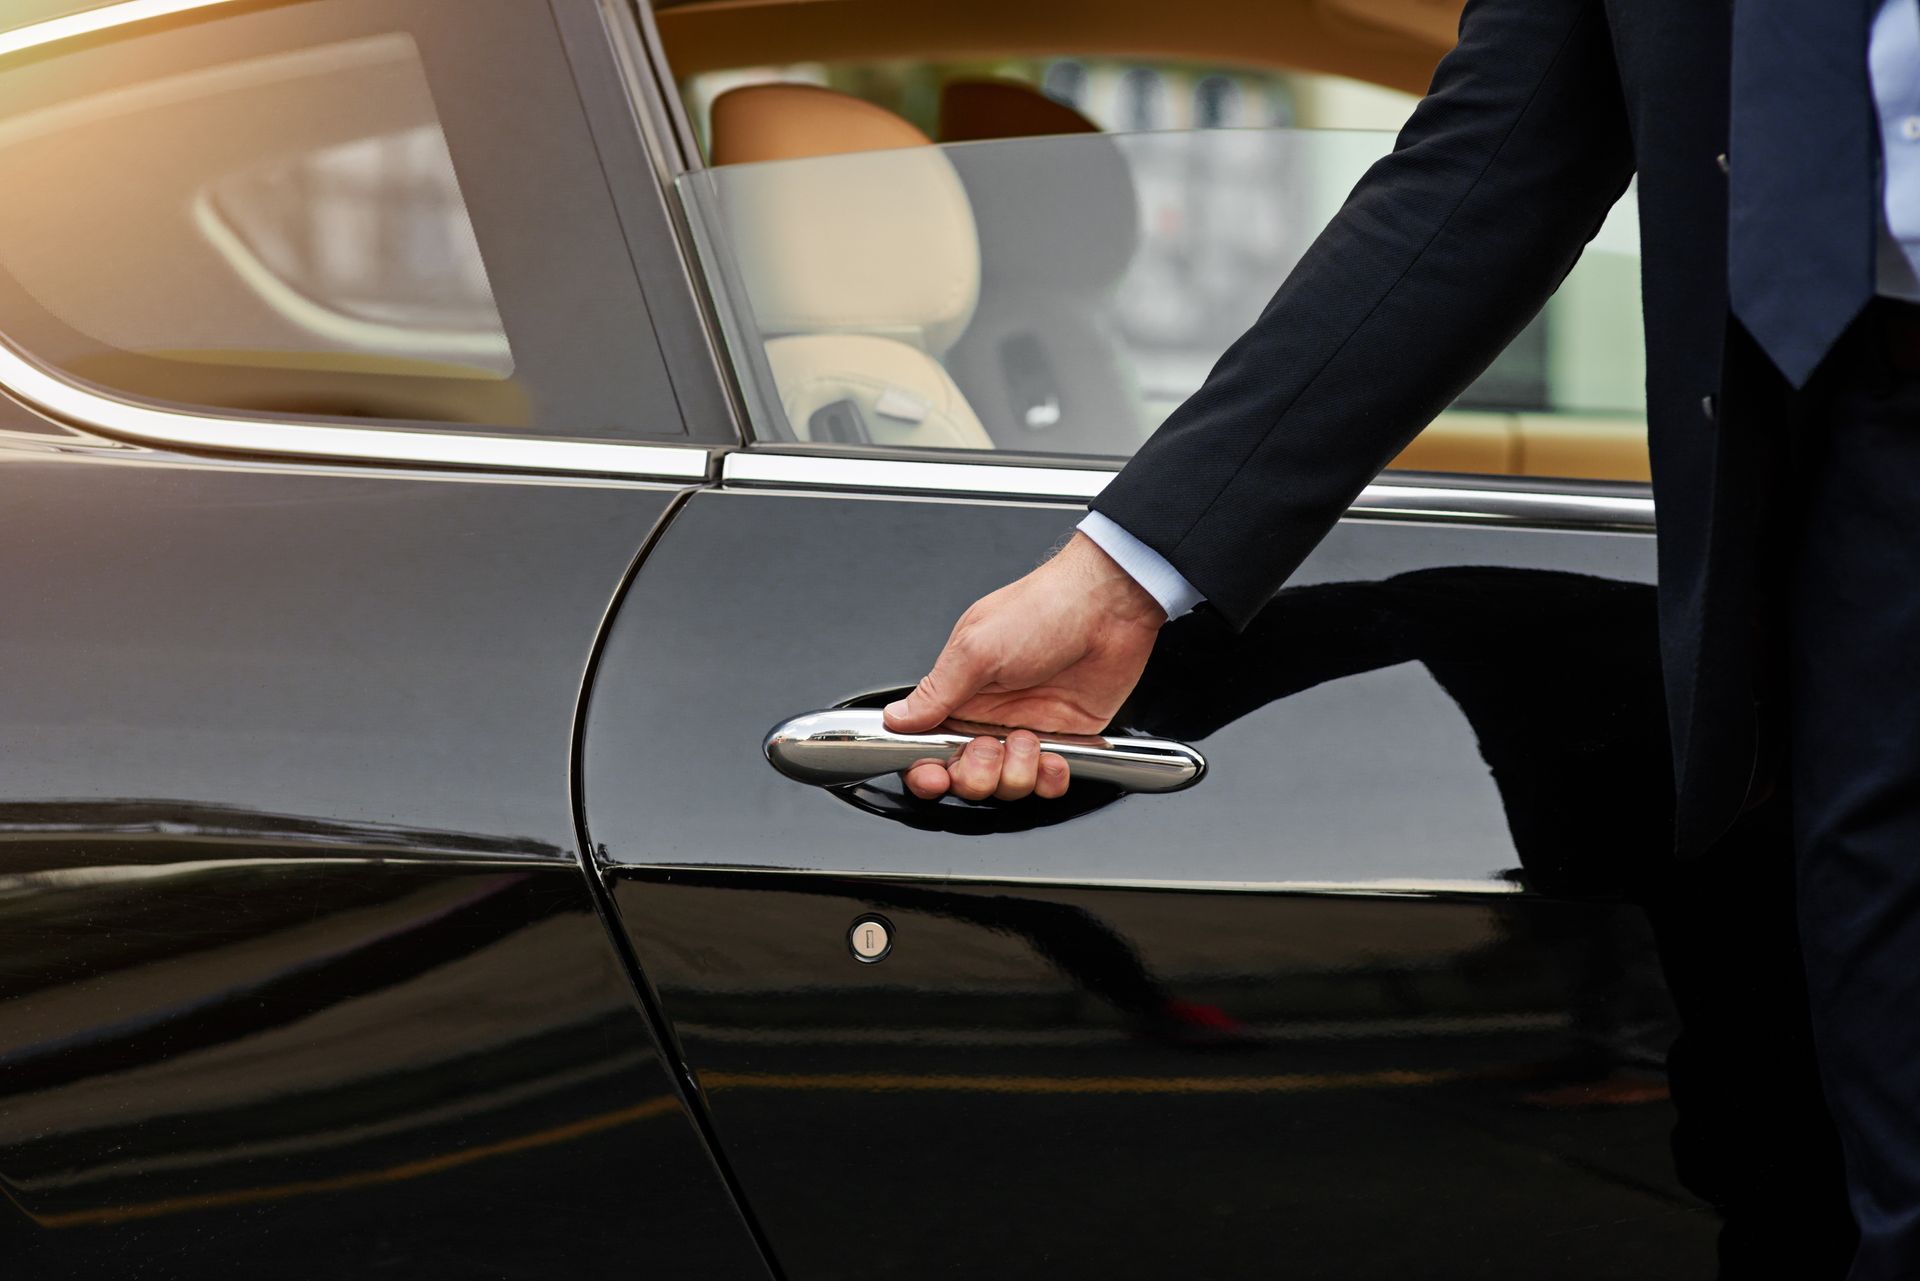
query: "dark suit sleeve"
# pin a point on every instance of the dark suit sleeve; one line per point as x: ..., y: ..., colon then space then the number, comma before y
x: 1443, y: 252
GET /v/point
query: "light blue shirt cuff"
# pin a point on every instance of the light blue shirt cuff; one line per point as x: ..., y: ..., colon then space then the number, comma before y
x: 1144, y: 565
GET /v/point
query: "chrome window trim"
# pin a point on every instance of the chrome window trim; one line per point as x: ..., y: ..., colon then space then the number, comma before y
x: 1387, y: 497
x: 155, y: 426
x: 149, y: 424
x: 839, y: 471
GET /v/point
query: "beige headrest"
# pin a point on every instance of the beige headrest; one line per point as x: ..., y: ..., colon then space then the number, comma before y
x: 857, y: 225
x: 975, y: 110
x: 792, y: 122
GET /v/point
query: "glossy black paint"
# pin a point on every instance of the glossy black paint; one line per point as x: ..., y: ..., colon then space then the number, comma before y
x: 239, y: 1067
x: 302, y: 976
x: 335, y: 643
x: 806, y: 601
x: 1047, y: 1079
x: 1339, y: 1005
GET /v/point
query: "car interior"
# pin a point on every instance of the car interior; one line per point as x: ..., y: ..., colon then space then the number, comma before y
x: 955, y: 276
x: 925, y: 299
x: 228, y: 208
x: 862, y: 346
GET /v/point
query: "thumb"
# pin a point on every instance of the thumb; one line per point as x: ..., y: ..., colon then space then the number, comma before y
x: 957, y: 676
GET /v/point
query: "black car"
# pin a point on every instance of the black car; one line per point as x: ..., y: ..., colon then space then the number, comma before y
x: 471, y: 469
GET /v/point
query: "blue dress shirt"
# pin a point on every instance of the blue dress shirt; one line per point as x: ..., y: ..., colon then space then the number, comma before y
x: 1146, y: 566
x: 1893, y: 63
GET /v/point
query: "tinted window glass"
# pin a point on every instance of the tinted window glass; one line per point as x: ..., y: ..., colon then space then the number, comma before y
x: 1060, y: 295
x: 365, y: 245
x: 343, y: 209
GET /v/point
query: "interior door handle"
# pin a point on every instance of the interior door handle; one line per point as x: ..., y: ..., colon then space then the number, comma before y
x: 851, y: 744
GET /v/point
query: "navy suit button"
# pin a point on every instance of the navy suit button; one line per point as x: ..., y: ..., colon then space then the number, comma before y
x: 1721, y: 160
x: 1710, y: 406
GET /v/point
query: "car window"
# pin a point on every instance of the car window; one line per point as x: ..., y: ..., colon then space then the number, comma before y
x: 375, y: 210
x: 1061, y: 295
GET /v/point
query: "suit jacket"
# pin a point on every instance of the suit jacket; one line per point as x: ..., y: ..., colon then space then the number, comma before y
x: 1534, y: 125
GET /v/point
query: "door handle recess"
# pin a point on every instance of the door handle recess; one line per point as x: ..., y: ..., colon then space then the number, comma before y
x: 852, y: 744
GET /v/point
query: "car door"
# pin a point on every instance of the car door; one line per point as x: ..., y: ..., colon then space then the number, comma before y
x: 1344, y: 1007
x: 1201, y: 1030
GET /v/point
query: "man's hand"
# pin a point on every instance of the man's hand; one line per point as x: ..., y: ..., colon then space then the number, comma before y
x: 1057, y: 651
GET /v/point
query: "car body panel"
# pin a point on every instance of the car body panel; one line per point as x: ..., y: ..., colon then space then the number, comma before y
x: 302, y: 971
x: 1001, y: 1096
x: 1206, y: 1030
x: 235, y: 1061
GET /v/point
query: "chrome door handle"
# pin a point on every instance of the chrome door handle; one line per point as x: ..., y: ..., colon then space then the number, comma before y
x: 852, y: 744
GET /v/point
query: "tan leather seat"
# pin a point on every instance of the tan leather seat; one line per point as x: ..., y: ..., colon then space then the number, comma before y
x: 1059, y: 225
x: 1483, y: 444
x: 862, y: 265
x: 1584, y: 448
x: 1556, y: 446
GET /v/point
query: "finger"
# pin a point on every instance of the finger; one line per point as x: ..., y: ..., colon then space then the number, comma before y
x: 957, y: 675
x: 976, y: 772
x: 1021, y: 767
x: 1053, y: 776
x: 927, y: 780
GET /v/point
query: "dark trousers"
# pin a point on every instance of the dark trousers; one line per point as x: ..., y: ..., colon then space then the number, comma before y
x: 1753, y: 1134
x: 1853, y: 668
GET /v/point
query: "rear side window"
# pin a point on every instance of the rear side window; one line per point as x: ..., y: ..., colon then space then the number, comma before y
x: 366, y: 210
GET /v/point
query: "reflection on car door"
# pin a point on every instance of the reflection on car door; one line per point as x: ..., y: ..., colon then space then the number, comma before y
x: 1322, y: 1009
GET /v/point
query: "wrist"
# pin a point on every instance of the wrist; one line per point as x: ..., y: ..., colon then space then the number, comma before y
x: 1112, y: 589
